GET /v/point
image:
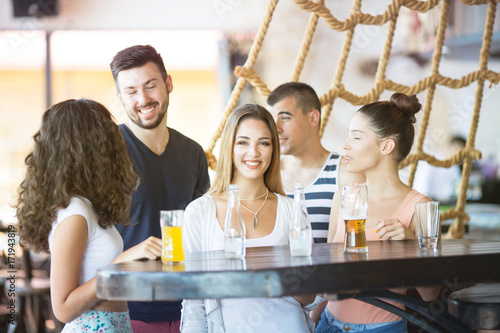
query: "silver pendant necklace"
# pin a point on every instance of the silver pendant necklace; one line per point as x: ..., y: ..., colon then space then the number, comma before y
x: 256, y: 219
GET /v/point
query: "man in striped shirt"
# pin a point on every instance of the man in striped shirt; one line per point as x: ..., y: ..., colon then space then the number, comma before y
x: 297, y: 111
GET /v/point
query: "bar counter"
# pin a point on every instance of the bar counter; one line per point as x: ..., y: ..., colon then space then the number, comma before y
x: 272, y: 272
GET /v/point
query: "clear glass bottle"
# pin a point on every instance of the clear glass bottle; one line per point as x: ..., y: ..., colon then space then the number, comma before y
x: 234, y: 226
x: 300, y: 230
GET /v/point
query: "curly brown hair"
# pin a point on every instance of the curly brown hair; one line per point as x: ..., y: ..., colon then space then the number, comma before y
x: 79, y: 150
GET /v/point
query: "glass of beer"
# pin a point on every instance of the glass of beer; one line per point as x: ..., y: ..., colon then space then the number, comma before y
x: 171, y: 236
x: 354, y: 201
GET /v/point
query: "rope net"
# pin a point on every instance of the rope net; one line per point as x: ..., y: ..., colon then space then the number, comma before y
x: 247, y: 74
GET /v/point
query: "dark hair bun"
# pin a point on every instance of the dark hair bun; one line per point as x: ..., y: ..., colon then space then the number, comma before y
x: 408, y: 104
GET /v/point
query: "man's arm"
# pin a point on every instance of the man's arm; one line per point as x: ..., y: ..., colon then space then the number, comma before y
x: 203, y: 181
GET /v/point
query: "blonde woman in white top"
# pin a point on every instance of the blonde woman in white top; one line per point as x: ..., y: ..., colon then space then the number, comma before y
x: 249, y: 157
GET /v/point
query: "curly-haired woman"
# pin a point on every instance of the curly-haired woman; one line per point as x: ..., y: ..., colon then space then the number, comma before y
x: 77, y: 186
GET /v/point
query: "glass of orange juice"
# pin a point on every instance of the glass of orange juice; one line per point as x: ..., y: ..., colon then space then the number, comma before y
x: 171, y: 235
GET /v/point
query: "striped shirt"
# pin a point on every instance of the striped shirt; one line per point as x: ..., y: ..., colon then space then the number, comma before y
x: 319, y: 197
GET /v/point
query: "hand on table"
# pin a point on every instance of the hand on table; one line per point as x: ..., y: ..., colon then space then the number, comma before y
x: 149, y: 249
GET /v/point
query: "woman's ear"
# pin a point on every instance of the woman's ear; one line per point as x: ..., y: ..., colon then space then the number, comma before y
x: 388, y: 146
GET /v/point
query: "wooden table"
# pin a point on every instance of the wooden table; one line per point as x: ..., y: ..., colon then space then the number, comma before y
x: 271, y: 271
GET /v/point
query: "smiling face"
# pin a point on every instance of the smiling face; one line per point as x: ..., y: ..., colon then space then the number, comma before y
x: 252, y: 149
x: 293, y: 126
x: 144, y: 95
x: 362, y: 147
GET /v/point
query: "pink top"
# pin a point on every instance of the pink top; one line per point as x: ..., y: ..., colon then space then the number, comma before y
x: 354, y: 311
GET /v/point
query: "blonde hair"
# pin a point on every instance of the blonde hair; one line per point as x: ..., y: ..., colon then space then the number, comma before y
x: 224, y: 171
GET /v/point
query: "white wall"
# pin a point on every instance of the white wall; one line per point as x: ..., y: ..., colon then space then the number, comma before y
x: 228, y: 15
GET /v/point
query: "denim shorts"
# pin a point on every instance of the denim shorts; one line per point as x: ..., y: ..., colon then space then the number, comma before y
x: 100, y: 322
x: 330, y: 324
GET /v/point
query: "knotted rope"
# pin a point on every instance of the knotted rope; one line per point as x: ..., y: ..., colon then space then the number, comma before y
x: 248, y: 74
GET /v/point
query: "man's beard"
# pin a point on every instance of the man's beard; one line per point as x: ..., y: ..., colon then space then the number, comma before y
x: 153, y: 125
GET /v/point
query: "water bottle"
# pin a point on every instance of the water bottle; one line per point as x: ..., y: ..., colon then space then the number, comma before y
x: 300, y: 231
x: 234, y: 227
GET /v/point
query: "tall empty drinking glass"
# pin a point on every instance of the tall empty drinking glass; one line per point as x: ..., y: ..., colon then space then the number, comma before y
x: 171, y: 234
x: 354, y: 202
x: 427, y: 214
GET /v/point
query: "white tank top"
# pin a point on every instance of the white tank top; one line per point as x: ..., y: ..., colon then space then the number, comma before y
x: 103, y: 245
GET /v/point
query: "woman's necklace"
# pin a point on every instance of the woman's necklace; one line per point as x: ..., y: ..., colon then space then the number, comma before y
x: 255, y: 219
x: 260, y: 196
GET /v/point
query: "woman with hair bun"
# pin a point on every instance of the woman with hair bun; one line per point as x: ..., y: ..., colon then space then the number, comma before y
x: 380, y: 136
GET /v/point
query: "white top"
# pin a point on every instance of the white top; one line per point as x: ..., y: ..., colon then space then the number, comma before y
x: 103, y: 245
x: 202, y: 232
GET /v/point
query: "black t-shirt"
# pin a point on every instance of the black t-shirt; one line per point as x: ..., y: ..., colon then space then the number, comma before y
x: 167, y: 181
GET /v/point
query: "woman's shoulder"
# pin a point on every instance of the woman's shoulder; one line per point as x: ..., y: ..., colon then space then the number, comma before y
x: 284, y: 201
x: 416, y: 196
x: 77, y: 206
x: 409, y: 200
x: 283, y: 197
x: 203, y: 201
x: 201, y: 206
x: 81, y: 206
